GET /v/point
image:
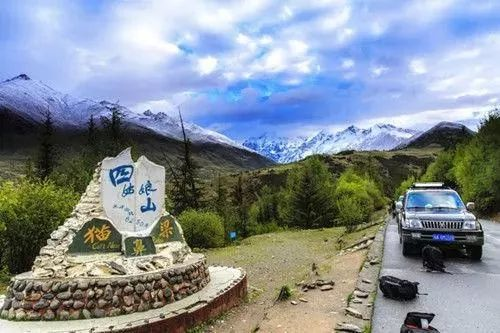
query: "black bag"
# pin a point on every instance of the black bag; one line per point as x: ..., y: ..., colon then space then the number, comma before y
x: 398, y: 289
x: 418, y: 322
x: 433, y: 259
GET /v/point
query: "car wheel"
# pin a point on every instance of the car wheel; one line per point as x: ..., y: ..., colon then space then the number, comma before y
x: 475, y: 252
x: 407, y: 248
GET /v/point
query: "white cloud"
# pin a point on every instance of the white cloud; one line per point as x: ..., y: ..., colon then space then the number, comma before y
x: 206, y: 65
x: 379, y: 70
x: 417, y: 66
x: 347, y: 63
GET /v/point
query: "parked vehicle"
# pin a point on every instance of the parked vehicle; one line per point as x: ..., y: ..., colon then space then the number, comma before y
x: 432, y: 213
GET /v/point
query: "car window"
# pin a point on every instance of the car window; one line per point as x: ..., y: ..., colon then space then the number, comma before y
x: 434, y: 200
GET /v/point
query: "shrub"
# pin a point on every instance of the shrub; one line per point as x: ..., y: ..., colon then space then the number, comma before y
x: 29, y: 212
x: 357, y: 197
x: 202, y: 229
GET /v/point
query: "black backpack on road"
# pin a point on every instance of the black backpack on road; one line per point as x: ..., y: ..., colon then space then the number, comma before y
x: 398, y: 289
x: 433, y: 259
x: 418, y: 322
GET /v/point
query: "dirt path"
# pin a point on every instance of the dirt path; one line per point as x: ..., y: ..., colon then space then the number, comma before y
x: 286, y: 258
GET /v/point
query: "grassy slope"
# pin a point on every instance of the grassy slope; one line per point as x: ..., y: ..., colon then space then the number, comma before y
x: 274, y: 259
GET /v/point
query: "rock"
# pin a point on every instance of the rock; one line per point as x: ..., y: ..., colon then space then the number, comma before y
x: 122, y: 283
x: 83, y: 285
x: 354, y: 313
x: 367, y: 281
x: 101, y: 303
x: 128, y: 300
x: 33, y: 297
x: 54, y: 304
x: 139, y: 288
x: 47, y: 286
x: 48, y: 296
x: 19, y: 296
x: 68, y: 304
x: 86, y: 314
x: 90, y: 294
x: 356, y: 301
x: 63, y: 315
x: 157, y: 305
x: 64, y: 295
x: 294, y: 302
x: 117, y: 269
x: 349, y: 328
x: 34, y: 315
x: 303, y: 300
x: 108, y: 293
x: 48, y: 315
x: 27, y: 305
x: 78, y: 305
x: 326, y: 287
x: 146, y: 295
x: 20, y: 314
x: 90, y: 304
x: 115, y: 301
x: 7, y: 304
x: 98, y: 313
x: 29, y: 286
x: 20, y: 286
x: 128, y: 290
x: 374, y: 262
x: 115, y: 312
x: 78, y: 294
x: 55, y: 287
x: 75, y: 314
x: 42, y: 304
x: 360, y: 294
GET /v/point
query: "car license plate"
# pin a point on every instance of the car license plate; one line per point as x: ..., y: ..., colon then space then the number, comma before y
x: 443, y: 237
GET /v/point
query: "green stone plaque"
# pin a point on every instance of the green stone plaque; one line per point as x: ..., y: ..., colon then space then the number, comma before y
x: 96, y: 236
x: 139, y: 246
x: 166, y: 230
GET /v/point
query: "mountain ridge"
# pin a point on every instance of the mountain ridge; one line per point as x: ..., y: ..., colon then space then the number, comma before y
x: 285, y: 150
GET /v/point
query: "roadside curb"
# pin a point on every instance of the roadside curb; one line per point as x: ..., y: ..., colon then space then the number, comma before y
x: 359, y: 310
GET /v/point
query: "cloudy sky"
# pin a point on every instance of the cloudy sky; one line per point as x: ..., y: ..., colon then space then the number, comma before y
x: 247, y: 67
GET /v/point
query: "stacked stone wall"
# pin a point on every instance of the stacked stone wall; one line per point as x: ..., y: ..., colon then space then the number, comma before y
x: 84, y: 298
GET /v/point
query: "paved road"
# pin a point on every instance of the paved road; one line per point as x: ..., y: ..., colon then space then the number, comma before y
x: 466, y: 302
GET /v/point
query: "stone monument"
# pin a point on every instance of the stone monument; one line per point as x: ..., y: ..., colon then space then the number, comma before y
x: 118, y: 253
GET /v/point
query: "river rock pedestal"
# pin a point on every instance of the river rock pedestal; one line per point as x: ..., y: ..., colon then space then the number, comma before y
x: 118, y: 253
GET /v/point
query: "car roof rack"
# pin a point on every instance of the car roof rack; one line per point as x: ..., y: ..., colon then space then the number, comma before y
x: 430, y: 185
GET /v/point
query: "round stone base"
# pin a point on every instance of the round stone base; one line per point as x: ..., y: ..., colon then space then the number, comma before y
x: 31, y: 298
x: 227, y: 288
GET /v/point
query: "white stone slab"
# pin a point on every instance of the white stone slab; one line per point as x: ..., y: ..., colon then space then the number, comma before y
x: 132, y: 194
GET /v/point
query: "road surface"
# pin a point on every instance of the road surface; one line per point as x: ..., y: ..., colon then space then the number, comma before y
x: 468, y: 301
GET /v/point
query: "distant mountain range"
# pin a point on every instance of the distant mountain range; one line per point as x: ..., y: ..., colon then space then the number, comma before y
x: 284, y: 150
x: 377, y: 137
x: 24, y: 103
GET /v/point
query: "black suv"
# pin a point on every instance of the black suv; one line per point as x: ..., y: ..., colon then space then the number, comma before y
x: 433, y: 213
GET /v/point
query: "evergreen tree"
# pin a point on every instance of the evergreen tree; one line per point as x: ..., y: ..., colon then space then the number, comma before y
x: 309, y: 200
x: 46, y: 153
x: 221, y: 197
x: 114, y: 128
x: 241, y: 205
x: 91, y: 134
x: 188, y: 170
x: 185, y: 191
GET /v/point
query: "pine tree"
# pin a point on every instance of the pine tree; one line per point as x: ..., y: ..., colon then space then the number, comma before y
x: 309, y: 200
x: 91, y: 133
x: 221, y: 198
x: 46, y: 153
x: 114, y: 128
x: 240, y: 203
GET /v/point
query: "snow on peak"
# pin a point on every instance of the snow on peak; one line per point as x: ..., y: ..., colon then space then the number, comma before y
x: 32, y: 99
x: 377, y: 137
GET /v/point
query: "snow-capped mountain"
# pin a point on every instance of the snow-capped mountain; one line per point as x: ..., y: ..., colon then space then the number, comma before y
x: 31, y: 99
x: 377, y: 137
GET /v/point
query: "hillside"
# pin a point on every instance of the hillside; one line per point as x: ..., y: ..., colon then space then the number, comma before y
x: 389, y: 167
x: 24, y: 103
x: 444, y: 134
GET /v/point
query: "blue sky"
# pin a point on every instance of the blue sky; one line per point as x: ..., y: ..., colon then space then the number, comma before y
x: 282, y: 67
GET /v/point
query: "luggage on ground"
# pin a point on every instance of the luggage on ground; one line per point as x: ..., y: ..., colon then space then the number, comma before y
x: 395, y: 288
x: 433, y: 259
x: 418, y: 322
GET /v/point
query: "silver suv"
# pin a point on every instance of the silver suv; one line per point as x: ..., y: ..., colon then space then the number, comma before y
x: 433, y: 213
